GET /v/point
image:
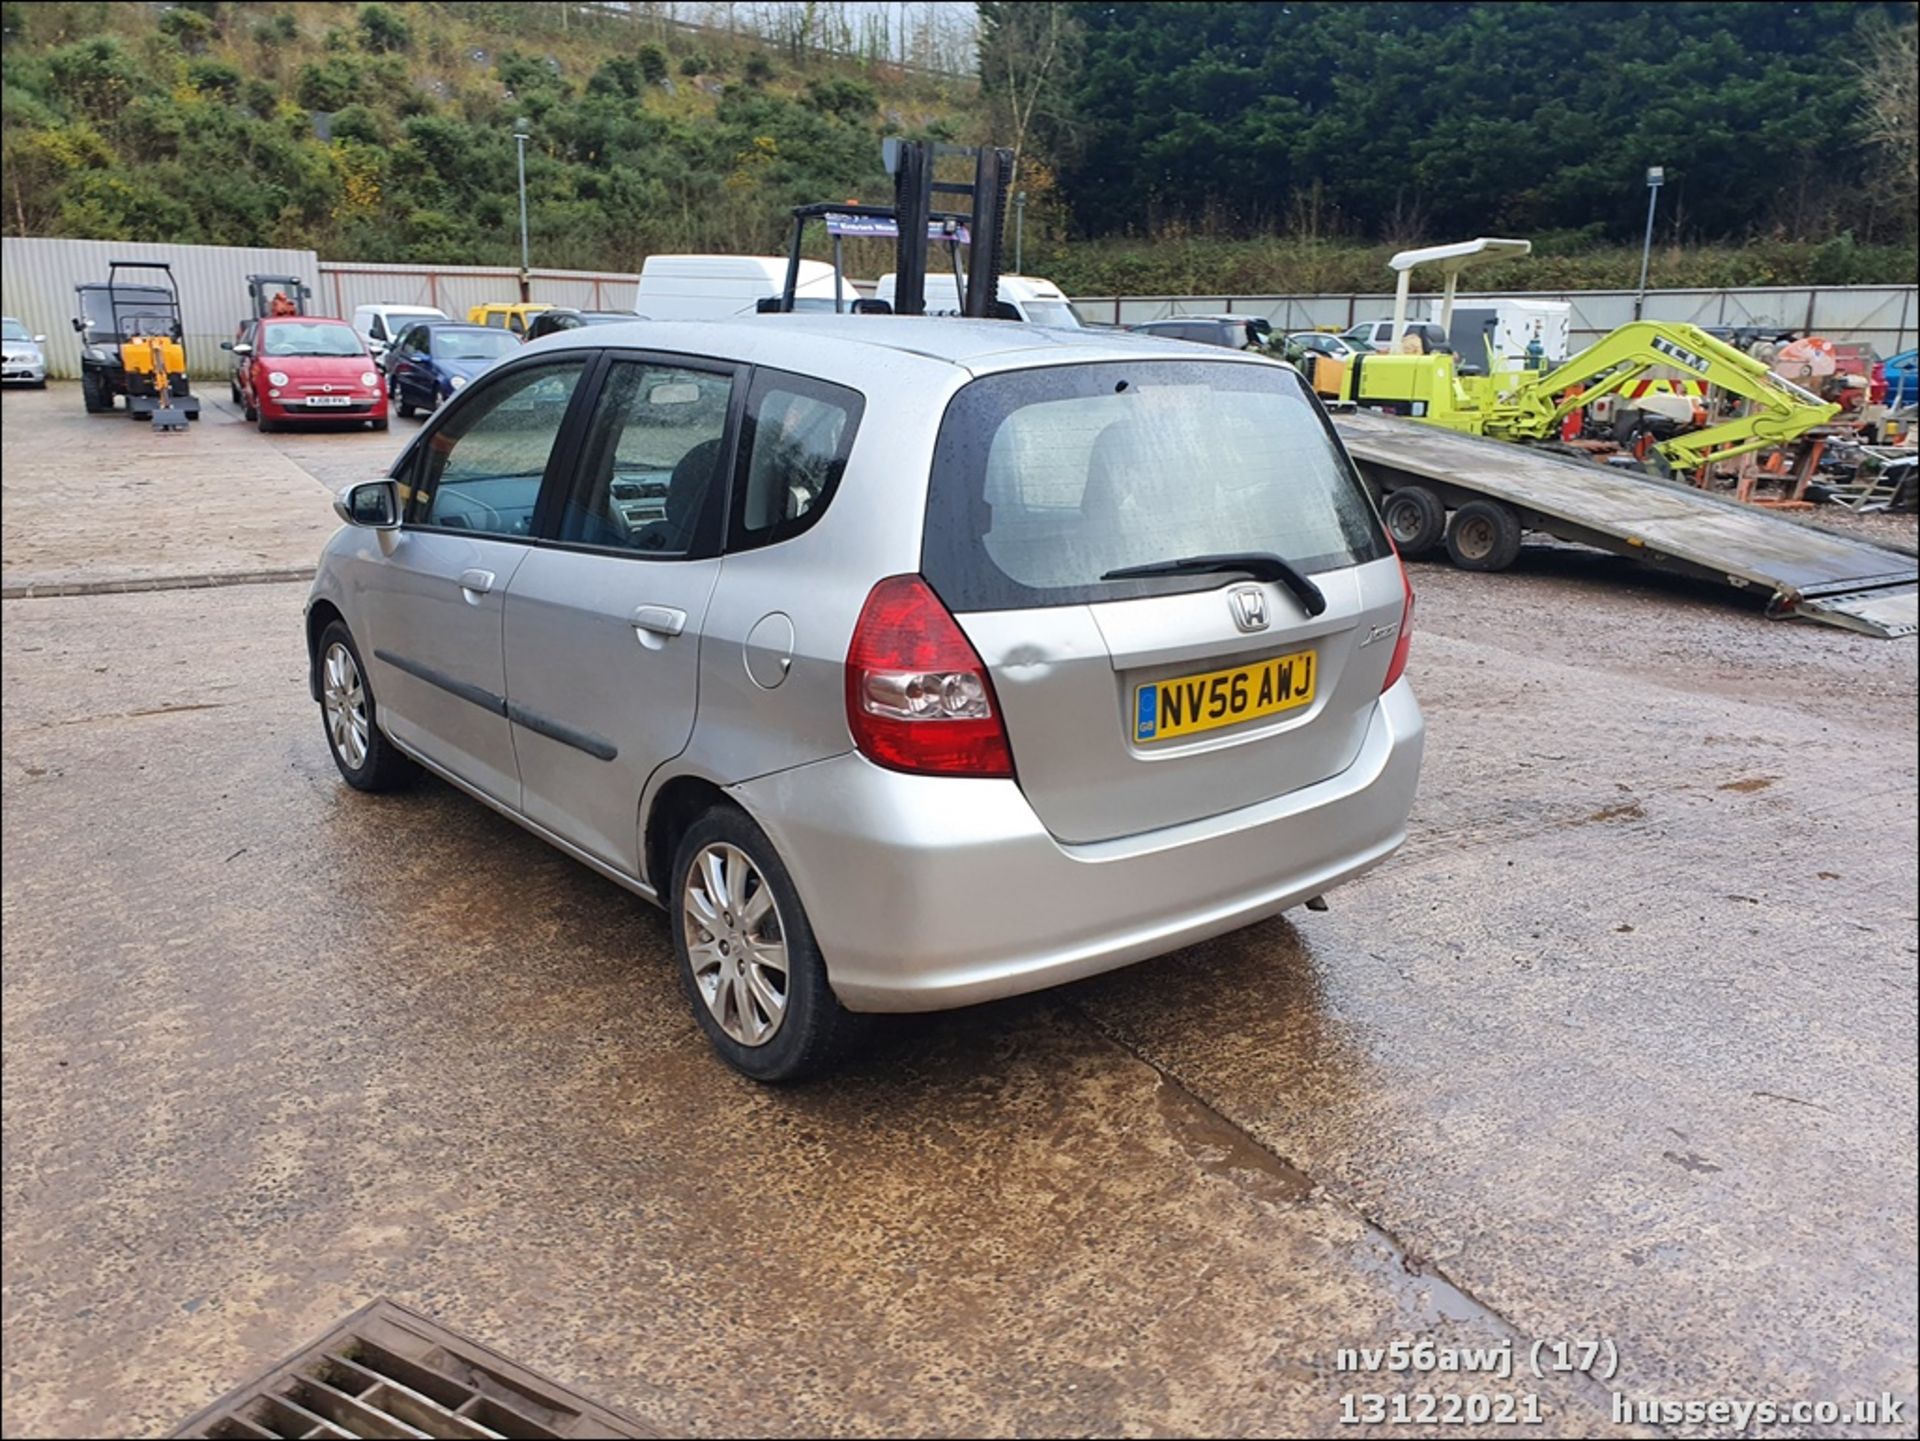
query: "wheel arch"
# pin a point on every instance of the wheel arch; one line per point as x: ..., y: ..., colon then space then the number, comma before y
x: 674, y: 808
x: 320, y: 615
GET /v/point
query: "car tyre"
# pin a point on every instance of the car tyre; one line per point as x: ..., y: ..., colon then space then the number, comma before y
x: 1416, y: 519
x: 736, y: 920
x: 259, y: 418
x: 405, y: 408
x: 368, y: 761
x: 1484, y: 535
x: 234, y: 387
x: 380, y: 424
x: 94, y: 394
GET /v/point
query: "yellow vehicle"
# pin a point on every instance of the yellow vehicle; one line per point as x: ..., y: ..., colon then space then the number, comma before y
x: 506, y: 315
x: 1748, y: 407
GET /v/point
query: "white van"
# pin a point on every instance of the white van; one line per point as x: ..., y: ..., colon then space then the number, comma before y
x: 717, y: 287
x: 380, y: 325
x: 1039, y: 302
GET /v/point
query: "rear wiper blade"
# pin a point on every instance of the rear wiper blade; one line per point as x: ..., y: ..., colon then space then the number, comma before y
x: 1260, y: 564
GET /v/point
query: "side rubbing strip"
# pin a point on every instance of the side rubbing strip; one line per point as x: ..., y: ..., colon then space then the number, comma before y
x: 485, y: 699
x: 593, y: 745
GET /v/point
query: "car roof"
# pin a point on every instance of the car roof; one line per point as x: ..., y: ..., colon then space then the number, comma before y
x: 302, y: 320
x: 458, y: 325
x: 797, y: 341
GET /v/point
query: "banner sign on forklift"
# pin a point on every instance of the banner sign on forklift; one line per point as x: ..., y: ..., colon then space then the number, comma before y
x: 879, y: 227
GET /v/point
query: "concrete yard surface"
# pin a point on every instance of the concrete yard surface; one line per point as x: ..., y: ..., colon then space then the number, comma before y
x: 1621, y: 1048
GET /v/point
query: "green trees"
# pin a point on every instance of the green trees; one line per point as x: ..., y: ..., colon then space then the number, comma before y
x: 1402, y: 120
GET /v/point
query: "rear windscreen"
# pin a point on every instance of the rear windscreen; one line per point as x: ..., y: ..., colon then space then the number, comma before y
x: 1044, y: 480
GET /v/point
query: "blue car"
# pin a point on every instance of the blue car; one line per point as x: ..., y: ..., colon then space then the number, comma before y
x: 430, y: 361
x: 1903, y: 383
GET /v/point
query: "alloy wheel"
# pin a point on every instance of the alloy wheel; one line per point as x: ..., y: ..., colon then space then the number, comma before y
x: 735, y: 943
x: 345, y: 701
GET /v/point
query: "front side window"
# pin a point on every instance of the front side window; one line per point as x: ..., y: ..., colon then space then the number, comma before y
x: 1045, y: 480
x: 794, y: 442
x: 16, y: 331
x: 481, y: 469
x: 289, y: 338
x: 652, y: 461
x: 377, y: 329
x: 495, y: 319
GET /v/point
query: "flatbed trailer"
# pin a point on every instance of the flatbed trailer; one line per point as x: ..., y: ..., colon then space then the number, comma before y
x: 1804, y: 570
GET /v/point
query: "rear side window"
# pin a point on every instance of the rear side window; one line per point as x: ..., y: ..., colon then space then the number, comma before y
x: 1044, y: 480
x: 794, y: 441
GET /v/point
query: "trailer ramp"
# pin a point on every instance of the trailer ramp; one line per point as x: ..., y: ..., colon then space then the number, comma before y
x: 1806, y: 571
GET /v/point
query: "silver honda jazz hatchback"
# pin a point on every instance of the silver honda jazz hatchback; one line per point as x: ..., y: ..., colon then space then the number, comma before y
x: 907, y: 663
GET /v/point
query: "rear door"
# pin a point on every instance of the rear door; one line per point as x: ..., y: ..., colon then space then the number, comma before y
x: 1136, y: 704
x: 436, y: 602
x: 603, y: 622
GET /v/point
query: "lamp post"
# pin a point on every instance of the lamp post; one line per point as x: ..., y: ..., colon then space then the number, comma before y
x: 1019, y: 228
x: 1655, y: 176
x: 520, y: 138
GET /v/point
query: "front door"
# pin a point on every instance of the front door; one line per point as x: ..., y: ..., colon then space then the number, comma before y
x: 436, y: 632
x: 603, y: 626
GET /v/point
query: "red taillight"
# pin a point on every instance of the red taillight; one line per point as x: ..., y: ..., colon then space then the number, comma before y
x: 918, y: 697
x: 1397, y: 667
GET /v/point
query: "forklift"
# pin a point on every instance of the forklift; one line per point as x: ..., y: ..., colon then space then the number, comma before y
x: 278, y: 295
x: 132, y: 343
x: 916, y: 225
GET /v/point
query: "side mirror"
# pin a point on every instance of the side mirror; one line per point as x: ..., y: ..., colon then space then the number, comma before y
x: 226, y: 345
x: 872, y: 307
x: 374, y: 504
x: 39, y: 340
x: 243, y: 347
x: 79, y: 324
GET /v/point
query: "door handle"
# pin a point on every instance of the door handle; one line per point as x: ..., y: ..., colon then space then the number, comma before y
x: 660, y: 620
x: 476, y: 583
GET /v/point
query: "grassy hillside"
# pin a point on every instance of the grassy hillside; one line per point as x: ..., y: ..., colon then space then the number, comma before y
x: 385, y: 132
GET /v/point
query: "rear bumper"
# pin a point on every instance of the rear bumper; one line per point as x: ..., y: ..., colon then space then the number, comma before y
x: 928, y: 892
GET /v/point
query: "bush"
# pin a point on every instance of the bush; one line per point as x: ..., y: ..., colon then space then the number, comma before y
x: 620, y: 77
x: 331, y: 84
x: 215, y: 77
x: 696, y: 64
x: 383, y: 30
x: 758, y: 70
x: 259, y: 97
x: 95, y: 77
x: 850, y: 100
x: 357, y: 122
x: 276, y: 30
x: 192, y: 29
x: 652, y: 61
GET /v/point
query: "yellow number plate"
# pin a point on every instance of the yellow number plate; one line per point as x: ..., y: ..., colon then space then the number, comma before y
x: 1192, y: 703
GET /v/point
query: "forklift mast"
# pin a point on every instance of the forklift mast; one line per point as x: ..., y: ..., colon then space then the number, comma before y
x: 916, y: 222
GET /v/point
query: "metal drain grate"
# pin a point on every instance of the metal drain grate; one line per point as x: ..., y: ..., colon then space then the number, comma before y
x: 388, y: 1371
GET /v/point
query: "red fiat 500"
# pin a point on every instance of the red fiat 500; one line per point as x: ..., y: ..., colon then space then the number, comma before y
x: 303, y: 367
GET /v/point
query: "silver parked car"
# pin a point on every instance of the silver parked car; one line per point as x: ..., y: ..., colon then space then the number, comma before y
x: 26, y: 361
x: 907, y: 663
